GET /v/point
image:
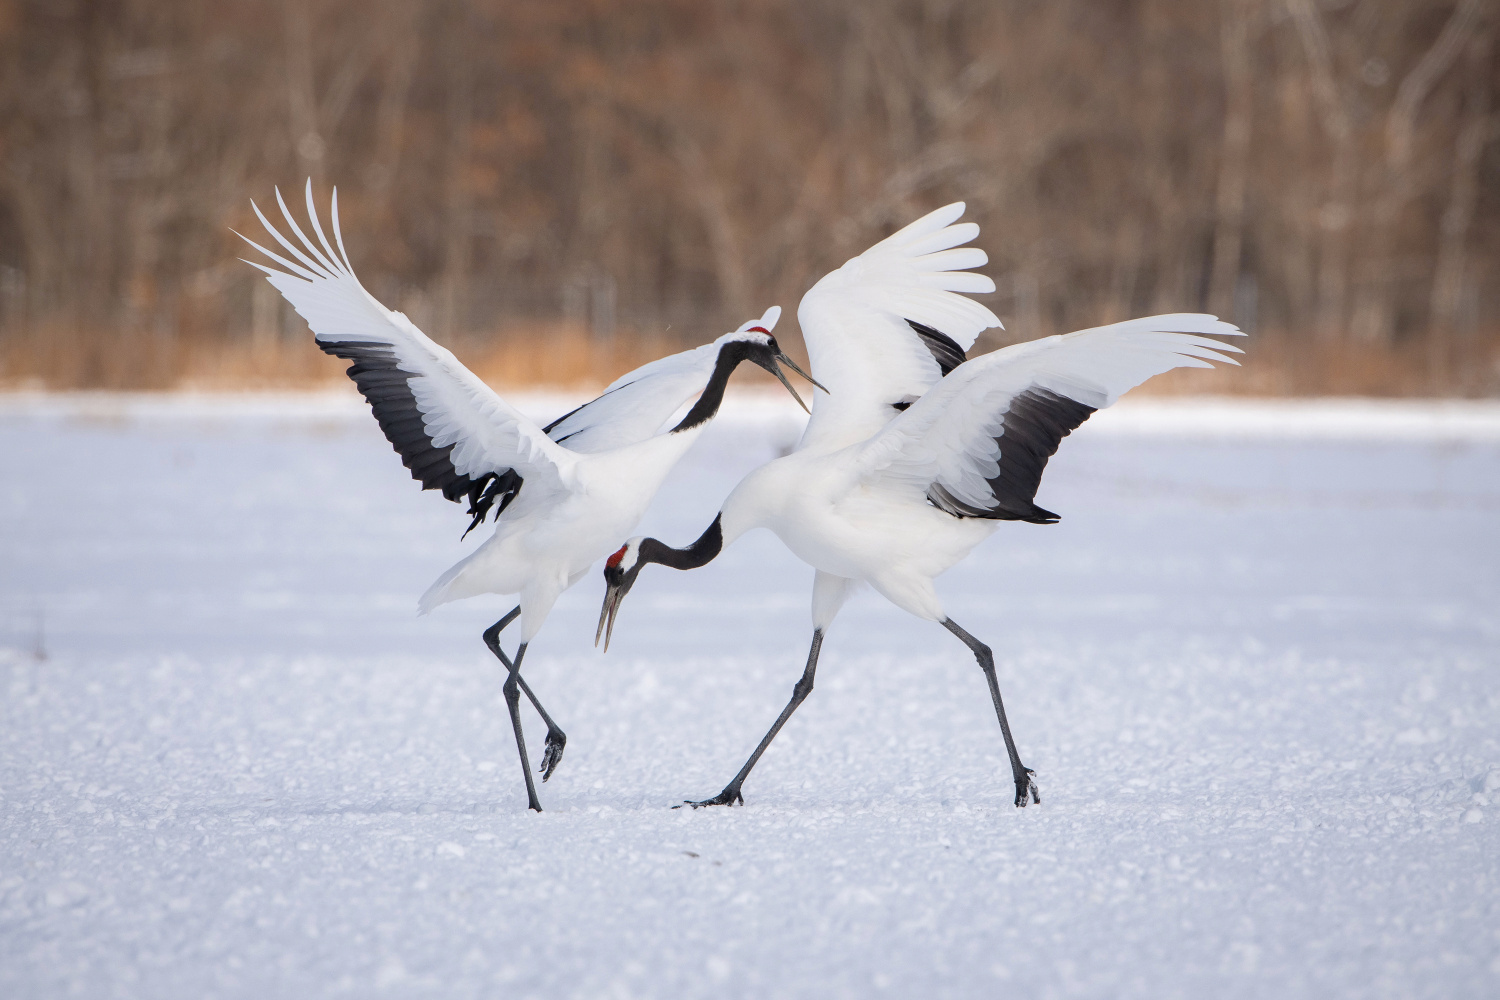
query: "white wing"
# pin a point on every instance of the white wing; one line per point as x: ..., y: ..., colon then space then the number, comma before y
x: 861, y: 324
x: 452, y: 431
x: 976, y: 445
x: 636, y: 405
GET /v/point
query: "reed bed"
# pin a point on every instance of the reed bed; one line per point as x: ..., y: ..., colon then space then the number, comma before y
x: 567, y: 355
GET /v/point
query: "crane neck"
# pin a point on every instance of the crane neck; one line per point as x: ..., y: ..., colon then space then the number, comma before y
x: 730, y: 355
x: 700, y: 553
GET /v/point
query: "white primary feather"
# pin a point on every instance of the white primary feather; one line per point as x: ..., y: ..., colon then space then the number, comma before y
x: 854, y: 321
x: 636, y: 405
x: 953, y: 436
x: 488, y: 435
x: 456, y: 405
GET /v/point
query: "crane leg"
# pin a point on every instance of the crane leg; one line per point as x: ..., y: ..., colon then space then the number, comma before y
x: 731, y: 793
x: 1025, y: 785
x: 513, y: 703
x: 557, y: 740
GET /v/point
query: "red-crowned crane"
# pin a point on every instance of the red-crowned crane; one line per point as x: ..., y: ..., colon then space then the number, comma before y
x: 562, y: 496
x: 915, y: 454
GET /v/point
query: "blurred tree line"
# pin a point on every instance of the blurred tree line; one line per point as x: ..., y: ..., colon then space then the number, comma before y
x: 604, y: 175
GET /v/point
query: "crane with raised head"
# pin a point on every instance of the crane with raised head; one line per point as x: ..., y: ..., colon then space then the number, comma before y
x: 560, y: 496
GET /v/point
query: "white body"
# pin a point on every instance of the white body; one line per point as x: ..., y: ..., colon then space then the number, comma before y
x: 544, y: 544
x: 851, y: 533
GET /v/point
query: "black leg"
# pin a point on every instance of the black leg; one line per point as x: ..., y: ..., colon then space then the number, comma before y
x: 513, y: 702
x: 731, y: 793
x: 557, y: 740
x: 1024, y: 783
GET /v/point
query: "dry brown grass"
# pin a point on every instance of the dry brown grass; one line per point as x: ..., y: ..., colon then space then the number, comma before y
x: 1278, y: 364
x: 62, y: 358
x: 564, y: 355
x: 560, y: 355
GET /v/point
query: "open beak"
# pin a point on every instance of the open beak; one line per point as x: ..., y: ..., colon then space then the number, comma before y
x: 612, y: 598
x: 782, y: 359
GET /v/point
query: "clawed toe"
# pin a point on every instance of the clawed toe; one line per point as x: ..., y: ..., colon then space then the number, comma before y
x: 552, y: 753
x: 1027, y: 791
x: 728, y: 797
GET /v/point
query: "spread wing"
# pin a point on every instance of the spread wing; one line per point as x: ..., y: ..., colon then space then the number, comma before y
x: 636, y: 405
x: 976, y: 445
x: 452, y: 431
x: 885, y: 327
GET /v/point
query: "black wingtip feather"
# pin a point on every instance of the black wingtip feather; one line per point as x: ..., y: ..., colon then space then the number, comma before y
x: 1041, y: 516
x: 502, y: 488
x: 1037, y: 421
x: 385, y: 386
x: 945, y: 350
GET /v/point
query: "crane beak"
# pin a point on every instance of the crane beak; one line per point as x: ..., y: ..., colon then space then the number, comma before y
x: 789, y: 389
x: 612, y: 598
x: 782, y: 359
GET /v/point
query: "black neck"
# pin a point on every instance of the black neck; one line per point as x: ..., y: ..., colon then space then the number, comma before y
x: 730, y: 355
x: 700, y: 553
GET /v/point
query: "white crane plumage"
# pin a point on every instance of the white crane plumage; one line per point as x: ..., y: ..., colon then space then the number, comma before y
x: 562, y: 496
x: 919, y: 453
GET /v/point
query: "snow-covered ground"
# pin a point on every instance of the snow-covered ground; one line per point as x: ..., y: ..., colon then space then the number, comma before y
x: 1256, y: 668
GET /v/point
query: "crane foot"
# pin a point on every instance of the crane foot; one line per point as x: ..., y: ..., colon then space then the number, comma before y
x: 1027, y: 788
x: 552, y: 753
x: 728, y: 797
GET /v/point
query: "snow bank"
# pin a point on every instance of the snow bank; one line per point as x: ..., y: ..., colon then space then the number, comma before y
x: 1200, y: 417
x: 1255, y: 671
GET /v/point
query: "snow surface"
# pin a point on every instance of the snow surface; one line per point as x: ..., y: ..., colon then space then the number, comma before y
x: 1255, y: 668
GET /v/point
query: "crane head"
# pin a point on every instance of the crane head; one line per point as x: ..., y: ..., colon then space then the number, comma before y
x: 620, y: 571
x: 754, y: 342
x: 760, y: 347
